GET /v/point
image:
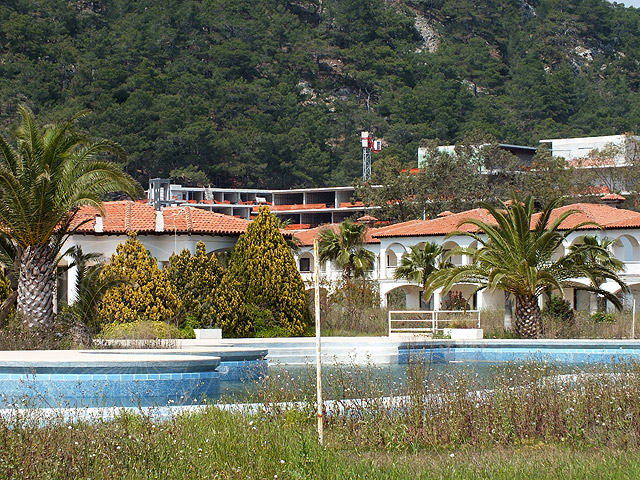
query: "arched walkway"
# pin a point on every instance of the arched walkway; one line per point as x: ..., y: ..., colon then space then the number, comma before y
x: 405, y: 297
x: 626, y: 248
x: 449, y: 246
x: 391, y: 259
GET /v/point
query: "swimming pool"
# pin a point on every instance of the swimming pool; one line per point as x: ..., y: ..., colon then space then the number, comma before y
x: 90, y: 378
x: 194, y: 373
x: 560, y: 351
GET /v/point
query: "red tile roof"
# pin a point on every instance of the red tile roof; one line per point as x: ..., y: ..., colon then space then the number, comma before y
x: 306, y: 237
x: 446, y: 213
x: 120, y: 217
x: 436, y: 226
x: 606, y: 216
x: 611, y: 197
x: 124, y: 216
x: 592, y: 162
x: 198, y: 220
x: 297, y: 226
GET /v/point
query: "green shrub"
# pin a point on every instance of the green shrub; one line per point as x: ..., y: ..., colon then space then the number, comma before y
x: 455, y: 301
x: 139, y: 330
x: 187, y: 328
x: 602, y: 317
x: 16, y: 336
x: 265, y: 324
x: 560, y: 309
x: 146, y: 294
x: 207, y: 295
x: 265, y: 272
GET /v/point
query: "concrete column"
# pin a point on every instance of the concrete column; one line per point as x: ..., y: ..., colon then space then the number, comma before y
x: 480, y: 300
x: 72, y: 276
x: 437, y: 298
x: 593, y: 303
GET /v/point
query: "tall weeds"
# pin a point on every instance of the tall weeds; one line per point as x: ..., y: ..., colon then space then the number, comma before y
x: 516, y: 406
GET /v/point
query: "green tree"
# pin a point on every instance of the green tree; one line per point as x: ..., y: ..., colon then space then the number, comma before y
x: 597, y: 256
x: 207, y: 295
x: 418, y: 263
x: 346, y: 248
x: 264, y: 268
x: 44, y: 179
x: 5, y: 293
x: 549, y: 175
x: 515, y: 254
x: 89, y: 287
x: 190, y: 176
x: 394, y: 189
x: 146, y: 293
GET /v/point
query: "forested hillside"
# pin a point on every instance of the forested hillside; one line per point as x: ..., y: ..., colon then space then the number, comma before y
x: 274, y: 93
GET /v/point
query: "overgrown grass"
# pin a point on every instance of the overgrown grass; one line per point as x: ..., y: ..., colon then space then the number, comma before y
x: 583, y: 326
x: 16, y: 336
x: 516, y: 404
x: 370, y: 321
x: 529, y: 423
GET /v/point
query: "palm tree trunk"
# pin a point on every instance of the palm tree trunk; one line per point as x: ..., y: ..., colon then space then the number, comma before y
x: 528, y: 317
x: 508, y: 312
x: 35, y: 286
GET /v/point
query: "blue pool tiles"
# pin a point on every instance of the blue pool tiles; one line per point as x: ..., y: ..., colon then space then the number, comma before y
x: 108, y: 389
x: 124, y: 389
x: 448, y: 353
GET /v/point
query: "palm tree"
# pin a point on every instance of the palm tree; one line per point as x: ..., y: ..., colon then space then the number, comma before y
x: 517, y: 257
x: 416, y: 265
x: 598, y: 255
x: 346, y: 248
x: 44, y: 179
x: 89, y: 286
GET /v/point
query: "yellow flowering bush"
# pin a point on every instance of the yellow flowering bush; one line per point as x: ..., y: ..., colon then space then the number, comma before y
x: 146, y: 294
x: 208, y: 296
x: 264, y: 268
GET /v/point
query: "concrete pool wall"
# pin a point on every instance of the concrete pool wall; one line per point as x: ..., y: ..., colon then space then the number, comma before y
x: 386, y: 350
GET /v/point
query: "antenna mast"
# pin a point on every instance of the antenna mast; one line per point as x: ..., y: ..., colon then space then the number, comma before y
x: 368, y: 145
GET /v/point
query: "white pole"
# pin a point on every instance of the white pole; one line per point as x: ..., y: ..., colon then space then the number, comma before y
x: 316, y: 276
x: 633, y: 320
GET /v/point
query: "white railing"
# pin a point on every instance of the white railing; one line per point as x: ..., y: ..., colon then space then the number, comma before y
x: 431, y: 321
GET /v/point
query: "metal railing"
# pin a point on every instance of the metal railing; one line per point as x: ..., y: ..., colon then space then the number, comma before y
x: 431, y: 321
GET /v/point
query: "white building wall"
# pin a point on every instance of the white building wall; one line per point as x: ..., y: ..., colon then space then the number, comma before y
x: 160, y: 246
x: 578, y: 148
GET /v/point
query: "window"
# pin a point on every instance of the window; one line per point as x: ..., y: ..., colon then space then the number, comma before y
x: 305, y: 264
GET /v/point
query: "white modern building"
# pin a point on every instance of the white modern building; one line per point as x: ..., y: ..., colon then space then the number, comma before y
x: 577, y: 151
x: 306, y: 207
